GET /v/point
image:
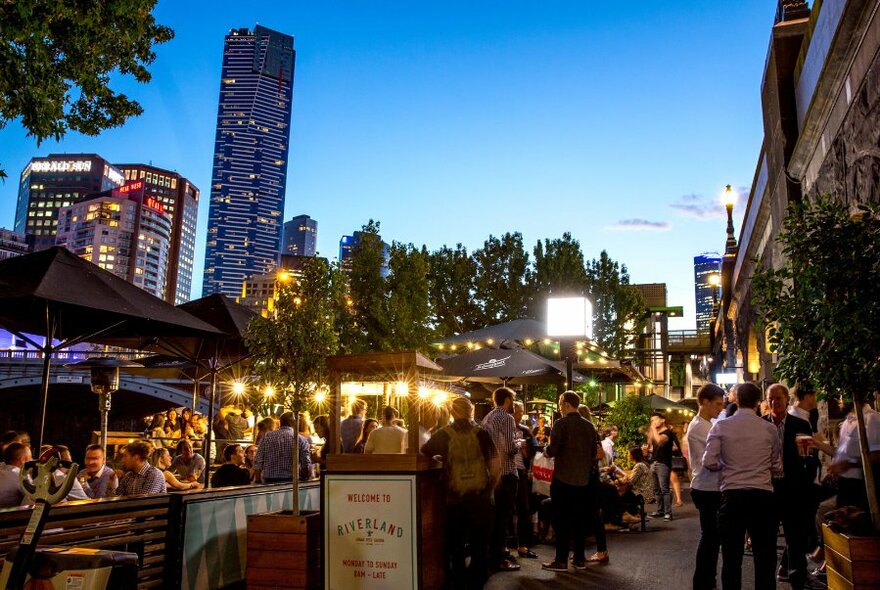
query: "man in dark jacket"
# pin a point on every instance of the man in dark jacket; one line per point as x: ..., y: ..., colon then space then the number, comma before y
x: 573, y: 448
x: 791, y: 490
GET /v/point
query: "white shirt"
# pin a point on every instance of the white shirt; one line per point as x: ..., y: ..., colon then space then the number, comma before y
x: 701, y: 479
x: 799, y: 412
x: 10, y: 493
x: 745, y: 448
x: 608, y: 448
x: 386, y: 440
x: 848, y: 447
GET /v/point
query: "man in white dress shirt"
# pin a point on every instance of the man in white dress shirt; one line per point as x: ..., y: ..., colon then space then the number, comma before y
x: 746, y: 450
x: 704, y: 486
x: 389, y: 438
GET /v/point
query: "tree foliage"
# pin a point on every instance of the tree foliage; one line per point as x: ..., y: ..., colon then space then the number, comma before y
x: 451, y: 287
x: 57, y: 56
x: 618, y: 307
x: 822, y: 305
x: 631, y: 415
x: 291, y: 346
x: 559, y: 270
x: 407, y: 301
x: 501, y: 285
x: 367, y: 289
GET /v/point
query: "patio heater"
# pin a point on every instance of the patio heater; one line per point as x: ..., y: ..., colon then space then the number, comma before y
x: 569, y: 319
x: 104, y: 372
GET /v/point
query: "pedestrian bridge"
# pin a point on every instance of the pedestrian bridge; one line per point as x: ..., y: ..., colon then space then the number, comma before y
x: 22, y: 370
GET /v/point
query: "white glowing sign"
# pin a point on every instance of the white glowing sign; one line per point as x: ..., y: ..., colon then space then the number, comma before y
x: 570, y: 316
x: 113, y: 175
x: 61, y: 166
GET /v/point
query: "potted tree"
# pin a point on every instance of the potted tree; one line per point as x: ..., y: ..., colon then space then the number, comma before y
x: 290, y: 348
x: 823, y: 309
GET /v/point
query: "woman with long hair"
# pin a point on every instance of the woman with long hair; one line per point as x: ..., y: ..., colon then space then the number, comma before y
x: 263, y: 426
x: 161, y: 460
x: 369, y: 425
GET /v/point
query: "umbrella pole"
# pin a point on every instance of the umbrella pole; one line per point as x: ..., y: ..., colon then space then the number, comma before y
x: 40, y: 425
x: 209, y: 439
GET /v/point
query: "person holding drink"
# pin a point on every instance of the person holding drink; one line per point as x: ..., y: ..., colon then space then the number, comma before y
x: 791, y: 508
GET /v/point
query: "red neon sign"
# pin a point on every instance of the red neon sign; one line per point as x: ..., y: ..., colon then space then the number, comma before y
x: 131, y: 186
x: 154, y: 204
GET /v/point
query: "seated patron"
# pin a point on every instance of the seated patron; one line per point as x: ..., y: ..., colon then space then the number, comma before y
x: 98, y: 480
x: 232, y: 472
x: 161, y: 460
x: 140, y: 477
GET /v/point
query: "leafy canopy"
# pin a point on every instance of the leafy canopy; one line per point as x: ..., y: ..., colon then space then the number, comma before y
x: 822, y: 306
x: 57, y: 56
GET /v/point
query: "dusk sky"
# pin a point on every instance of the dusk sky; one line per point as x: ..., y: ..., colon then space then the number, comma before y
x: 619, y: 122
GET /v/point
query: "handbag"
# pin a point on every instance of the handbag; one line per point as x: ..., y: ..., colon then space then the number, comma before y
x: 542, y: 474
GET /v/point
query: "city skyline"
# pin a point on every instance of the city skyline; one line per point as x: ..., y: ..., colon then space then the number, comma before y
x: 449, y: 129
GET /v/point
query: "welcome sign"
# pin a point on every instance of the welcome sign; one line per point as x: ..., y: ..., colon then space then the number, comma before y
x: 370, y: 535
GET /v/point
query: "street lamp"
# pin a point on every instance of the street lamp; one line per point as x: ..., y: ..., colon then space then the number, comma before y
x: 729, y: 199
x: 105, y: 380
x: 569, y: 319
x: 714, y: 281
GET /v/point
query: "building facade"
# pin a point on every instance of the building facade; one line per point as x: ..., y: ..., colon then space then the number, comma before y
x: 58, y: 180
x: 705, y: 294
x: 250, y: 158
x: 259, y: 292
x: 123, y: 231
x: 180, y: 199
x: 821, y: 108
x: 12, y: 244
x: 300, y: 236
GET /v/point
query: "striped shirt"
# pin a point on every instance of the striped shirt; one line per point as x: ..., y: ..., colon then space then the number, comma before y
x: 275, y: 455
x: 501, y: 425
x: 147, y: 480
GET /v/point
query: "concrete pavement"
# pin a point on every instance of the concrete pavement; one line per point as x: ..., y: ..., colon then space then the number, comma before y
x: 661, y: 557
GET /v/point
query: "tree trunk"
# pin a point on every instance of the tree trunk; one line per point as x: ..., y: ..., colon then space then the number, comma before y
x: 867, y: 468
x: 295, y: 506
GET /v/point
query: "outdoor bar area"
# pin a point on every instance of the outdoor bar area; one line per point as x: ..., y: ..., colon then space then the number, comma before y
x: 383, y: 514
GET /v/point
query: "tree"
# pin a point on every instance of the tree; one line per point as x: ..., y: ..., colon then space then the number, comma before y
x: 501, y: 285
x: 559, y: 270
x: 56, y: 59
x: 290, y: 347
x: 617, y: 306
x: 451, y: 287
x: 823, y: 306
x: 367, y: 290
x: 408, y: 307
x: 631, y: 415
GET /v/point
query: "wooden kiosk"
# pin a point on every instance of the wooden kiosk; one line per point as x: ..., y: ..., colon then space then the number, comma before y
x: 382, y: 514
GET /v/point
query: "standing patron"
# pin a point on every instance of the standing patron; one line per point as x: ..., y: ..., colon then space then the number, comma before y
x: 704, y: 486
x: 745, y: 449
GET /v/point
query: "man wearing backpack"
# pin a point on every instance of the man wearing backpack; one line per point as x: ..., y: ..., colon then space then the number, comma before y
x: 471, y: 469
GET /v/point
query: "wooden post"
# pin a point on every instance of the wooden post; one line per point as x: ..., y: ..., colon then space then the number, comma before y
x: 413, y: 419
x: 335, y: 396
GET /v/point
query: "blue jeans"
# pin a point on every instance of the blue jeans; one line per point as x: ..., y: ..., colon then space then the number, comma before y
x: 660, y: 471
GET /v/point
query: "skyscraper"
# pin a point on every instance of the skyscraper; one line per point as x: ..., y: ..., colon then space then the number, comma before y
x: 300, y: 236
x: 124, y: 231
x: 180, y: 199
x: 47, y: 184
x: 704, y: 266
x: 250, y: 158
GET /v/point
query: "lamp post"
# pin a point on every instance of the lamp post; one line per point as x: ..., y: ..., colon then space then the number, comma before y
x: 569, y: 319
x: 104, y: 381
x: 728, y: 261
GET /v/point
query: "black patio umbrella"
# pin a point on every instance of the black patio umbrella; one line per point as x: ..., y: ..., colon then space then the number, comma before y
x: 68, y: 300
x: 509, y: 366
x: 208, y: 355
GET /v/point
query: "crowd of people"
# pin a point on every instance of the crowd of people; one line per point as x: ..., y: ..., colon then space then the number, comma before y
x: 513, y: 480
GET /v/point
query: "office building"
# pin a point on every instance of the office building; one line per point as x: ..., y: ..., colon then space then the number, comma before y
x: 300, y: 236
x: 58, y: 180
x: 123, y: 231
x: 259, y: 292
x: 12, y: 244
x: 250, y: 158
x: 705, y: 294
x: 347, y: 246
x: 180, y: 199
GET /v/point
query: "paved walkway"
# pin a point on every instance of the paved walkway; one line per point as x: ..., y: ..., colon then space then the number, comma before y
x: 661, y: 557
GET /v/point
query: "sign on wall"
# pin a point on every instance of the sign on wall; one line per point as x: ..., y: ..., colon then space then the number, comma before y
x: 370, y: 536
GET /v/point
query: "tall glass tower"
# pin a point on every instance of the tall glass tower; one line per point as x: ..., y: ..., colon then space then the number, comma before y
x: 250, y: 158
x: 704, y: 266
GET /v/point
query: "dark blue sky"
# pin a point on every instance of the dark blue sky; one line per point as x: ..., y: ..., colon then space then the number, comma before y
x: 620, y: 122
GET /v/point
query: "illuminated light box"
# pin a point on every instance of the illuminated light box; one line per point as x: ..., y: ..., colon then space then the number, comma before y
x: 570, y: 317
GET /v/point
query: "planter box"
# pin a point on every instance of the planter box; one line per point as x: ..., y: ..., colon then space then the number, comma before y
x: 852, y: 562
x: 284, y: 551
